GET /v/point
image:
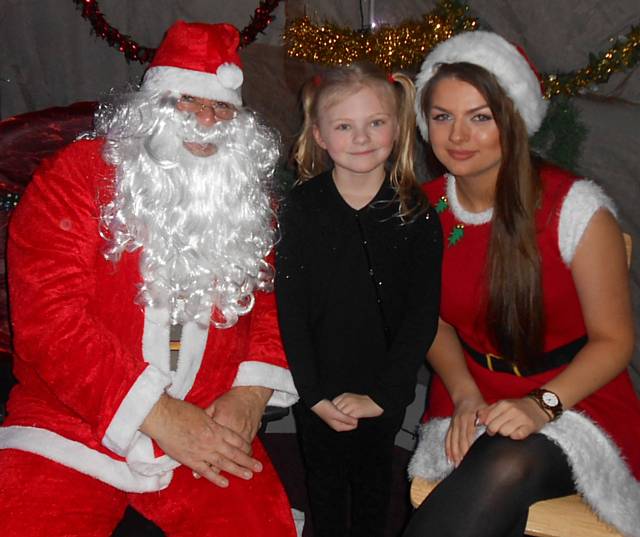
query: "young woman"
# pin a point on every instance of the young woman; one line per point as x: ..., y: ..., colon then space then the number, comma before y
x: 358, y: 280
x: 531, y: 398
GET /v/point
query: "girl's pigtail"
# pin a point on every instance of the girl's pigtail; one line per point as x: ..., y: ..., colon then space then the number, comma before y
x: 402, y: 176
x: 308, y: 157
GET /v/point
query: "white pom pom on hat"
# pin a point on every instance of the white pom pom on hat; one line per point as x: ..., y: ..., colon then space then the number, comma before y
x: 494, y: 53
x: 198, y: 59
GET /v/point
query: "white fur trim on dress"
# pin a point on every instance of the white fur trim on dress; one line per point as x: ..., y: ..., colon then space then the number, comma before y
x: 85, y: 460
x: 581, y: 202
x: 225, y: 86
x: 497, y: 56
x: 600, y: 473
x: 461, y: 214
x: 270, y: 376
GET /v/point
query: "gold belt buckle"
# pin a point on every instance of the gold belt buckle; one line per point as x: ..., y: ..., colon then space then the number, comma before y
x: 490, y: 357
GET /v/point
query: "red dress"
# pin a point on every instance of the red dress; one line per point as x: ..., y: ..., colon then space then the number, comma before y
x: 614, y: 408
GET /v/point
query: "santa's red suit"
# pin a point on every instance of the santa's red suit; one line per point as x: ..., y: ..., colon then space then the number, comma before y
x: 600, y: 434
x: 91, y: 364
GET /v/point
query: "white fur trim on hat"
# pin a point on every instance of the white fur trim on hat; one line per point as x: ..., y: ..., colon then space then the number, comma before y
x: 224, y: 86
x: 497, y: 56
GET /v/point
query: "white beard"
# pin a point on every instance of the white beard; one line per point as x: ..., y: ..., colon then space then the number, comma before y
x: 204, y: 225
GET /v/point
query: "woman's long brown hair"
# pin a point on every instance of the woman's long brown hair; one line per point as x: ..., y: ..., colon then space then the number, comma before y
x: 514, y: 310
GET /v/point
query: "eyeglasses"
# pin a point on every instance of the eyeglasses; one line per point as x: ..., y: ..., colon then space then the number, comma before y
x: 196, y: 105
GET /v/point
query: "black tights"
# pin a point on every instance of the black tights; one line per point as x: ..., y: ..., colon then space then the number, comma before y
x: 489, y: 494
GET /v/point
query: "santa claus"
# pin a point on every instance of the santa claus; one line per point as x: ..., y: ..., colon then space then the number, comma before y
x: 158, y: 229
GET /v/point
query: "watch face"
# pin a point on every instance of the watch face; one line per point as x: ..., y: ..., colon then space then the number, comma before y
x: 550, y: 399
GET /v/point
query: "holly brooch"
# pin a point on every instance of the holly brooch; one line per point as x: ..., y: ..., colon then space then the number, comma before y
x: 456, y: 234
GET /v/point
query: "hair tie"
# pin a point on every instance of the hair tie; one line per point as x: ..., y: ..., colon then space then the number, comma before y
x: 391, y: 78
x: 316, y: 80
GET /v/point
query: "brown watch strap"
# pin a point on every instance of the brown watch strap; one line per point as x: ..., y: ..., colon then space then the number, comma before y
x: 553, y: 412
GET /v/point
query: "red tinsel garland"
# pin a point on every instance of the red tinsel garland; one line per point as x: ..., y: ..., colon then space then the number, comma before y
x: 134, y: 51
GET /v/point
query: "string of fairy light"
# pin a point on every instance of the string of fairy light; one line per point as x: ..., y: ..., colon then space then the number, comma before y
x: 405, y: 45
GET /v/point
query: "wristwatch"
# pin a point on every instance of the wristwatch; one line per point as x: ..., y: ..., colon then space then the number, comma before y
x: 547, y: 401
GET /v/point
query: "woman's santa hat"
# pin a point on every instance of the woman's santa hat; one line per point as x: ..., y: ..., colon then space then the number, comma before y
x: 515, y: 74
x: 199, y: 60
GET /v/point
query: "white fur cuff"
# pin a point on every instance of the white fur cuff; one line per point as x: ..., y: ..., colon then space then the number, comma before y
x: 138, y: 402
x: 269, y: 376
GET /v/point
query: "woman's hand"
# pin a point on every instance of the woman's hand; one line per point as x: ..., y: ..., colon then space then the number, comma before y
x: 358, y: 406
x: 515, y: 418
x: 462, y: 431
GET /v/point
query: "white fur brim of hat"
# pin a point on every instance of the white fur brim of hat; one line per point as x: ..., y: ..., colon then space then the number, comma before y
x: 497, y: 56
x: 224, y: 86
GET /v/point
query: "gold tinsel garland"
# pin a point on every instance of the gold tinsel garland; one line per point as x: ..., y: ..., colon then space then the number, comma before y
x: 394, y: 47
x: 623, y: 54
x: 399, y: 47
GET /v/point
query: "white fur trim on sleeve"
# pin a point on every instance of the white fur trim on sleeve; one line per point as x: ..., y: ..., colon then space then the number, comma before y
x: 583, y: 200
x: 269, y: 376
x: 145, y: 392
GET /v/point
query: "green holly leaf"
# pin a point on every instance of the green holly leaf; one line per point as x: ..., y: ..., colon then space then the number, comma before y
x: 456, y: 235
x: 442, y: 205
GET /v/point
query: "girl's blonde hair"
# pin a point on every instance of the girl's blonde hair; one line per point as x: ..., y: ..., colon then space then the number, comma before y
x: 333, y: 84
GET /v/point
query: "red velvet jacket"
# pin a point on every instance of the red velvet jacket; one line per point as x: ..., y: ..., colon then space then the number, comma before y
x: 89, y: 361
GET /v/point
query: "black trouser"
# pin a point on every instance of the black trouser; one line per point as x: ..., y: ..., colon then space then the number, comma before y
x: 348, y: 474
x: 489, y: 494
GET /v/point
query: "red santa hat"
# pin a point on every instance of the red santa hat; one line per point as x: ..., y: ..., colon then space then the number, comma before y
x: 515, y: 74
x: 200, y: 60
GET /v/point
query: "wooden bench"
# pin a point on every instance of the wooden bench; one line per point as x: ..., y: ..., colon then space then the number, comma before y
x: 562, y: 517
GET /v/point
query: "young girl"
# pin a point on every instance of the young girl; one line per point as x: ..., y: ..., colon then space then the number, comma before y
x: 358, y: 279
x: 536, y: 320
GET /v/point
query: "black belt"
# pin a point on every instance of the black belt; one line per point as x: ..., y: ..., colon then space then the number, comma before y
x: 549, y: 360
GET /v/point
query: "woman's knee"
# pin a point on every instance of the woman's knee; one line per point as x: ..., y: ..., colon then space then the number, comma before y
x: 505, y: 462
